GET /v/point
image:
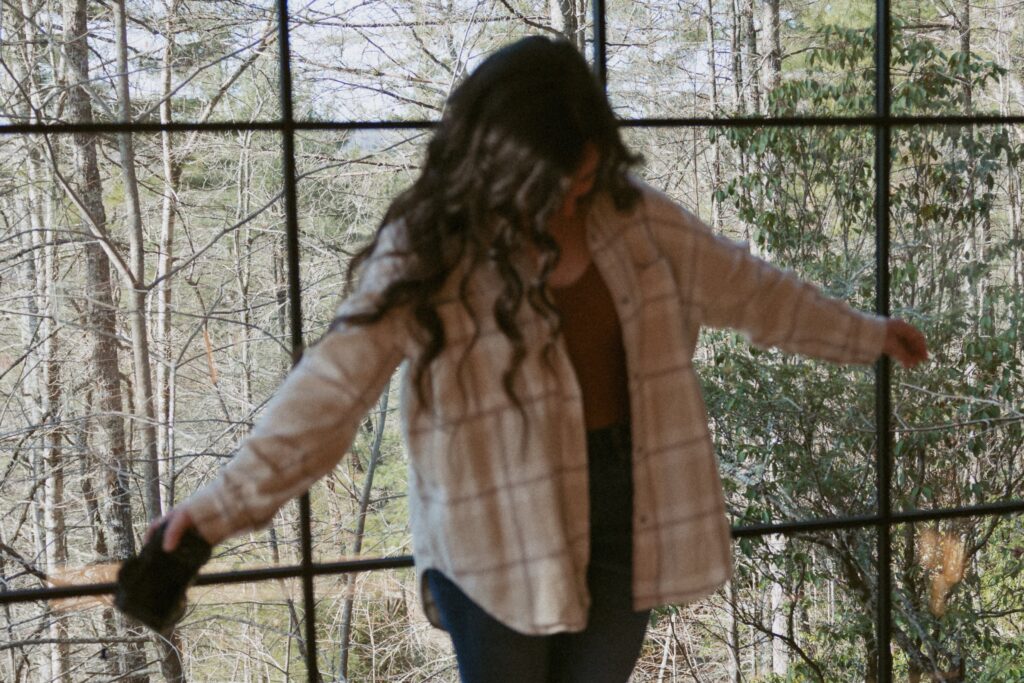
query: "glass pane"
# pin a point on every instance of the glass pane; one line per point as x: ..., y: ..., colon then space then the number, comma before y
x: 43, y: 641
x: 795, y: 437
x: 359, y: 508
x: 347, y: 182
x: 958, y: 58
x: 799, y: 608
x: 212, y: 344
x: 236, y: 632
x: 211, y: 62
x: 717, y: 59
x: 399, y: 59
x: 244, y: 632
x: 370, y: 627
x: 958, y: 599
x: 957, y: 273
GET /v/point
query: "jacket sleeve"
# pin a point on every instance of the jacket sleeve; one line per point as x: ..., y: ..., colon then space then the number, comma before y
x: 729, y: 287
x: 312, y: 419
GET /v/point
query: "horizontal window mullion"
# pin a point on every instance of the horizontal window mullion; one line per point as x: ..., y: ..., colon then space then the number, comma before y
x: 403, y: 561
x: 696, y: 122
x: 228, y: 577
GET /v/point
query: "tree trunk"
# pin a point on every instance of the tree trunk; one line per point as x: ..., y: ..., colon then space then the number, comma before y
x: 101, y: 317
x: 100, y: 304
x: 751, y: 71
x: 164, y: 294
x: 780, y: 624
x: 1006, y: 53
x: 736, y: 48
x: 137, y: 300
x: 1016, y: 210
x: 735, y: 666
x: 565, y: 17
x: 87, y: 465
x: 964, y: 27
x: 345, y: 631
x: 977, y: 230
x: 32, y: 390
x: 716, y: 152
x: 53, y: 449
x: 242, y: 244
x: 280, y: 276
x: 45, y: 387
x: 772, y: 75
x: 752, y: 57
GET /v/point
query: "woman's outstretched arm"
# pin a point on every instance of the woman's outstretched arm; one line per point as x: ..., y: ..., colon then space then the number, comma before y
x: 309, y: 423
x: 727, y: 286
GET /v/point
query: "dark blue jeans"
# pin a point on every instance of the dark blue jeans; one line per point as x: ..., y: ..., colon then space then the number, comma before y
x: 606, y: 651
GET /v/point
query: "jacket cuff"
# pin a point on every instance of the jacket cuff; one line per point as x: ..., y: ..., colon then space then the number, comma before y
x: 209, y: 514
x: 872, y: 337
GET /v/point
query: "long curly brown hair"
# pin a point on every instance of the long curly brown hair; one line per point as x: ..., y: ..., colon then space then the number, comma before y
x: 496, y: 169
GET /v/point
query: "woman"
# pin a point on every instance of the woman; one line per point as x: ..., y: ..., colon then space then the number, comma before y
x: 561, y: 475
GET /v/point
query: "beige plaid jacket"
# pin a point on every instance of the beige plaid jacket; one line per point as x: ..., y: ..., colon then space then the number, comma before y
x: 502, y: 510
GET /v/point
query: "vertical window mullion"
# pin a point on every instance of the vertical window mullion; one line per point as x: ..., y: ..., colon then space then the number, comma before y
x: 295, y: 311
x: 883, y: 369
x: 600, y: 54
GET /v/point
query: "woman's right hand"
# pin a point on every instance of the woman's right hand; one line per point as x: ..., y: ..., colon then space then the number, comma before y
x: 178, y: 522
x: 904, y: 343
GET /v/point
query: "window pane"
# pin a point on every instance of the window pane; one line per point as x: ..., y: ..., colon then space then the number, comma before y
x: 211, y: 61
x: 960, y: 59
x: 957, y: 257
x: 359, y: 508
x: 212, y: 345
x: 231, y: 632
x: 347, y: 181
x: 43, y: 639
x: 399, y: 59
x: 375, y: 622
x: 244, y: 632
x: 798, y: 608
x: 957, y: 600
x: 795, y: 437
x: 799, y: 59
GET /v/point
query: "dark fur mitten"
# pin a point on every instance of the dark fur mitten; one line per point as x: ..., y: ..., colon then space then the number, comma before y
x: 151, y: 586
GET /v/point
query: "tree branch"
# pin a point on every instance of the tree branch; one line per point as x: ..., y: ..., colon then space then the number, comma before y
x: 529, y: 22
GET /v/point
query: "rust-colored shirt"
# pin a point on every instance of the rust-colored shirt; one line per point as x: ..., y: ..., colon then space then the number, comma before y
x: 593, y: 338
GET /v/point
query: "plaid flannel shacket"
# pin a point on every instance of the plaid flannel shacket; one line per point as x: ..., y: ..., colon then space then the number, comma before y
x: 500, y: 505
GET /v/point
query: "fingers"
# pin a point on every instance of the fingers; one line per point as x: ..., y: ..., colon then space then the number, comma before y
x: 906, y: 344
x: 914, y: 342
x: 917, y: 346
x: 179, y: 521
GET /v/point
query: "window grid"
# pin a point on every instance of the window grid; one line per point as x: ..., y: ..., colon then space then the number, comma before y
x: 882, y: 122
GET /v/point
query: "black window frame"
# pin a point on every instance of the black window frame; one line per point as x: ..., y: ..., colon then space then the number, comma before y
x: 881, y: 121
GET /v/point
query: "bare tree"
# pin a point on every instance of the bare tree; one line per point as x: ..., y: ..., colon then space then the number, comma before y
x: 87, y: 191
x: 772, y: 75
x: 345, y: 631
x: 566, y: 17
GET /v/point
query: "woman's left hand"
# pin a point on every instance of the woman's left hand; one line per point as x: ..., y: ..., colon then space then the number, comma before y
x: 905, y: 343
x: 178, y: 521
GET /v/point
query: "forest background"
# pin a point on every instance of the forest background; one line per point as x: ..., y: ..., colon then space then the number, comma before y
x: 143, y: 287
